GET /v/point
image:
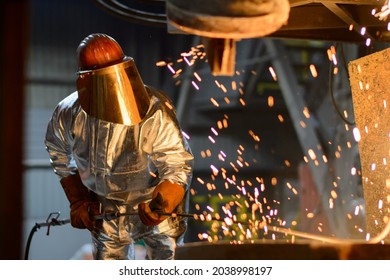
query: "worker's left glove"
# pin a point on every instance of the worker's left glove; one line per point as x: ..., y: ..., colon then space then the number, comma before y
x: 166, y: 197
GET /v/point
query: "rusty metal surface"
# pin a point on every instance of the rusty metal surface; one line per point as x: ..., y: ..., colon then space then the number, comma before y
x: 370, y: 92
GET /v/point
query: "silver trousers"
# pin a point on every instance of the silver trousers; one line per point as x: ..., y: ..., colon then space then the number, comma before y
x: 115, y: 239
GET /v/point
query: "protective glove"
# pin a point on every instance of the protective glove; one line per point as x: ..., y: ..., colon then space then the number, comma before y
x: 166, y: 197
x: 83, y: 207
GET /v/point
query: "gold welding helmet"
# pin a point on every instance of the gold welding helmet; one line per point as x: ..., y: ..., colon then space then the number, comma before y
x: 108, y: 84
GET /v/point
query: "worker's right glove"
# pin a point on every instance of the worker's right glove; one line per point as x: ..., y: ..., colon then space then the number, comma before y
x: 83, y: 207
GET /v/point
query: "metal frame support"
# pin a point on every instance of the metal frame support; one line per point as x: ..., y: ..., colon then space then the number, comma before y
x: 304, y: 125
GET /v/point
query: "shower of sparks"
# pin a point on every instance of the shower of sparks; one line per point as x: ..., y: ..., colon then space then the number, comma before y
x: 356, y: 134
x: 312, y: 154
x: 361, y: 85
x: 223, y: 88
x: 246, y: 212
x: 234, y: 85
x: 200, y: 180
x: 357, y: 208
x: 212, y: 139
x: 254, y: 136
x: 185, y: 135
x: 384, y: 12
x: 169, y: 105
x: 380, y: 204
x: 197, y: 77
x: 187, y: 61
x: 331, y: 52
x: 214, y: 169
x: 334, y: 59
x: 206, y: 153
x: 271, y: 101
x: 306, y: 112
x: 331, y: 203
x: 313, y: 70
x: 215, y: 103
x: 310, y: 215
x: 214, y: 131
x: 292, y: 188
x: 333, y: 194
x: 195, y: 85
x: 273, y: 74
x: 161, y: 63
x: 171, y: 69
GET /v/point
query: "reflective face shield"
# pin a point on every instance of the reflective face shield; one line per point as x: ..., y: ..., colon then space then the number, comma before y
x: 115, y: 93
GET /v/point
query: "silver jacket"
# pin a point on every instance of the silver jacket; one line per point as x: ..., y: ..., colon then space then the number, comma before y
x: 121, y: 164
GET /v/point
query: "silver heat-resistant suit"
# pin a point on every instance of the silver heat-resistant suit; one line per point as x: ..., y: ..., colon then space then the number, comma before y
x: 122, y: 164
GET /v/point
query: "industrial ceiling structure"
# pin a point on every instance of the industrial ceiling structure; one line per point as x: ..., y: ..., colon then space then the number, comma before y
x: 308, y: 19
x: 335, y: 20
x: 221, y: 23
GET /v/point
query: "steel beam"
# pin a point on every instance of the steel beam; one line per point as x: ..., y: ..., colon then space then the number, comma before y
x: 305, y: 128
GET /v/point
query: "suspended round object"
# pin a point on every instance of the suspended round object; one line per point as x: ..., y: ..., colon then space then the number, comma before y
x: 236, y: 19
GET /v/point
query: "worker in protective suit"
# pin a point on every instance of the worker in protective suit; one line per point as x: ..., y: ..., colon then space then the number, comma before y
x: 117, y: 147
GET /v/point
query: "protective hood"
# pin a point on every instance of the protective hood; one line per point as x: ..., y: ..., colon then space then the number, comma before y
x: 115, y: 93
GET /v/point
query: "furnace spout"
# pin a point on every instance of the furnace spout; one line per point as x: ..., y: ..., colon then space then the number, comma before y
x: 222, y: 22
